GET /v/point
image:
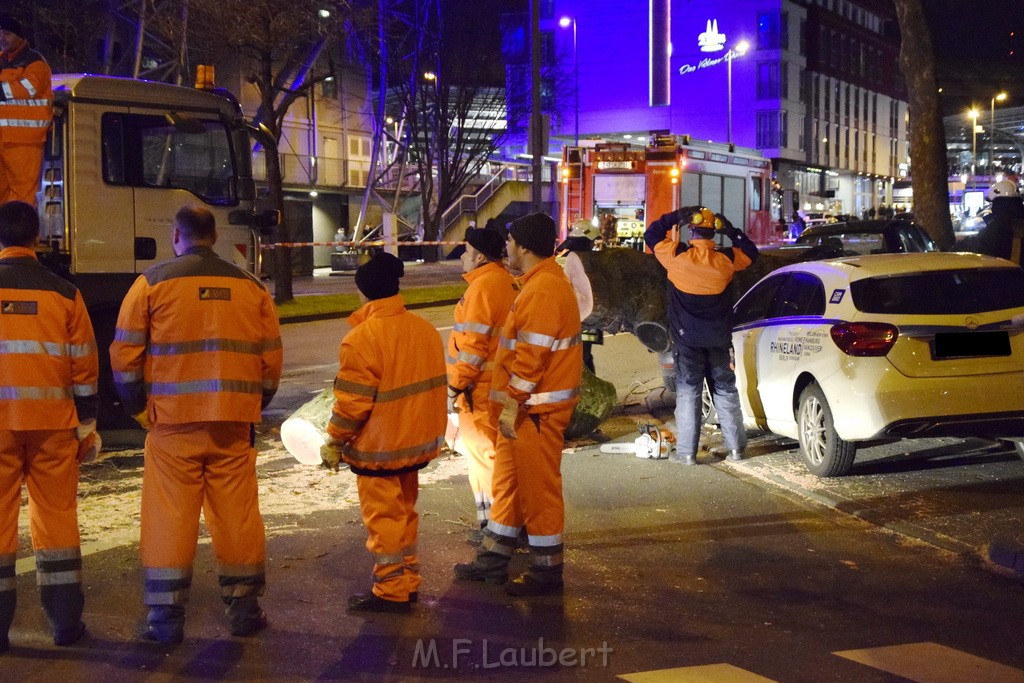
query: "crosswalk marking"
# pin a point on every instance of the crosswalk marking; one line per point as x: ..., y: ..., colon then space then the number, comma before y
x: 934, y: 663
x: 708, y: 673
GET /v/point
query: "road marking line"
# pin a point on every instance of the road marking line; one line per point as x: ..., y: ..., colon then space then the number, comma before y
x: 933, y: 663
x: 707, y: 673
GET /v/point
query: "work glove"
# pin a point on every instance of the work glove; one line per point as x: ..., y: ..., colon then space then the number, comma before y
x: 330, y: 455
x: 143, y: 420
x: 684, y: 214
x: 507, y: 419
x: 453, y: 394
x: 89, y: 442
x: 728, y: 229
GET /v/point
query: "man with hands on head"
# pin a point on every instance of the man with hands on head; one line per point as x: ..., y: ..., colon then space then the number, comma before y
x: 700, y: 318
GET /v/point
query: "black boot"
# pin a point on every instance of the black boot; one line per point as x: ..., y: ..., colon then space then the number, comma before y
x: 246, y: 616
x: 63, y: 605
x: 370, y: 602
x: 537, y: 581
x: 488, y: 566
x: 8, y: 599
x: 165, y: 624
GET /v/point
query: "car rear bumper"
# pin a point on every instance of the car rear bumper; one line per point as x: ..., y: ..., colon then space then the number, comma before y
x: 982, y: 424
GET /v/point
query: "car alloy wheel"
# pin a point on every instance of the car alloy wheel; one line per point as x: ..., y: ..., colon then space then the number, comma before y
x: 823, y: 451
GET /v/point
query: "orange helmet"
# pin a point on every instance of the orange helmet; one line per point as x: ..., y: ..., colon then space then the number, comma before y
x: 705, y: 218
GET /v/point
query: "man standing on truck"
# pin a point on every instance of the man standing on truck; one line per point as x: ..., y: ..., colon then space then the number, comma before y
x: 48, y: 375
x: 196, y: 357
x: 26, y: 111
x: 700, y: 315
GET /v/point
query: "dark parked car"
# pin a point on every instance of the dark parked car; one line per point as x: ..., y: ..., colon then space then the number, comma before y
x: 859, y: 238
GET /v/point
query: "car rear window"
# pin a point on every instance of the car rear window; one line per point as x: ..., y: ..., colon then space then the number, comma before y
x: 940, y: 292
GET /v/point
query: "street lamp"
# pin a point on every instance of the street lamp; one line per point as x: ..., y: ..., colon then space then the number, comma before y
x: 973, y: 113
x: 564, y: 22
x: 739, y: 50
x: 992, y: 131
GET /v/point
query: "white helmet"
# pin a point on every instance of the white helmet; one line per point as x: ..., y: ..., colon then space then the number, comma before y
x: 584, y: 228
x: 1004, y: 188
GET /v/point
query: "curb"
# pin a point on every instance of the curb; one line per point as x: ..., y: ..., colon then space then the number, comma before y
x: 335, y: 315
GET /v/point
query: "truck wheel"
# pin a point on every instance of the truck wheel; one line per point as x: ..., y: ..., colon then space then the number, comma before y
x: 823, y: 452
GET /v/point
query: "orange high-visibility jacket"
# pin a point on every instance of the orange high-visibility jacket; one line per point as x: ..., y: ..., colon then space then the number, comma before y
x: 48, y: 361
x: 197, y: 340
x: 389, y: 395
x: 26, y: 96
x: 540, y: 357
x: 479, y: 317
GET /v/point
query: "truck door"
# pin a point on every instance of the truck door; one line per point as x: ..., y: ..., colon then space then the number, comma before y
x: 183, y: 160
x: 99, y: 199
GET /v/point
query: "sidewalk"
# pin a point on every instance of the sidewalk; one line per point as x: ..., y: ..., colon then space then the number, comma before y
x: 326, y: 281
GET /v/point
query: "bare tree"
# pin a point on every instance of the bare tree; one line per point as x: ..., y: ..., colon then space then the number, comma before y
x: 927, y: 134
x: 450, y: 97
x: 283, y: 48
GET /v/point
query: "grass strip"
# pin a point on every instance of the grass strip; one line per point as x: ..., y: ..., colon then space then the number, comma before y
x: 326, y: 304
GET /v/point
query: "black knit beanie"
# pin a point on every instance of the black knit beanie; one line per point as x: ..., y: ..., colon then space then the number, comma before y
x: 536, y: 232
x: 488, y: 242
x: 378, y: 277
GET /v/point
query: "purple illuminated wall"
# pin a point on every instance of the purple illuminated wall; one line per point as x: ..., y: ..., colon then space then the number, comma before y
x: 614, y: 43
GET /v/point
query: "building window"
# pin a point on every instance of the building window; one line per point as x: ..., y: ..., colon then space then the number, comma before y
x: 803, y: 36
x: 768, y: 33
x: 784, y: 80
x: 767, y: 80
x: 768, y: 129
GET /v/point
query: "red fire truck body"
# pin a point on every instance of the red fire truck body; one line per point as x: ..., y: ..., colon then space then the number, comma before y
x: 632, y: 186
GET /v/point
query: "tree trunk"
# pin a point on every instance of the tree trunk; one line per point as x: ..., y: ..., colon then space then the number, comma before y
x: 927, y: 134
x: 282, y: 255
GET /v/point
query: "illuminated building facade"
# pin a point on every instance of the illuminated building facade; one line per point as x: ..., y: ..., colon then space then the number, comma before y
x: 817, y: 89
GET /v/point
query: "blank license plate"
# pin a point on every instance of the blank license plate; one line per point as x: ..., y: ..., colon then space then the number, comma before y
x: 971, y: 344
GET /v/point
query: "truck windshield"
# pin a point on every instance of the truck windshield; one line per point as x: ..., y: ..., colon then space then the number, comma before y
x: 143, y: 150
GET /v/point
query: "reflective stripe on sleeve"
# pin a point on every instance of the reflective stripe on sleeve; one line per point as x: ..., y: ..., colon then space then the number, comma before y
x: 479, y: 328
x: 548, y: 341
x: 388, y: 456
x: 46, y: 348
x: 412, y: 389
x: 344, y: 422
x: 521, y: 384
x: 29, y: 88
x: 506, y: 343
x: 84, y: 389
x: 471, y: 358
x: 348, y: 387
x: 552, y: 397
x: 130, y: 336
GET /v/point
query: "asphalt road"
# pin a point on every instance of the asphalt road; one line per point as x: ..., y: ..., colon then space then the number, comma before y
x: 719, y: 572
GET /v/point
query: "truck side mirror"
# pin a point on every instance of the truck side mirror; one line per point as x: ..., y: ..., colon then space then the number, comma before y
x: 145, y: 248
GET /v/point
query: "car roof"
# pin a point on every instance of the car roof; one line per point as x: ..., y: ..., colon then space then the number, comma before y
x: 873, y: 265
x: 855, y: 226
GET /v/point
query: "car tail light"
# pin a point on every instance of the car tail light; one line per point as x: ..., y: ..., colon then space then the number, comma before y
x: 864, y: 339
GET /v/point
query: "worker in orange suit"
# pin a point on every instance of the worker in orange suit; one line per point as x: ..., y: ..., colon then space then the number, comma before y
x: 48, y: 375
x: 26, y: 111
x: 535, y: 385
x: 387, y: 423
x: 479, y: 317
x: 196, y: 357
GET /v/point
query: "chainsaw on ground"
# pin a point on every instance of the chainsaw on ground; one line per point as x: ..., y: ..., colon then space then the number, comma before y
x: 654, y: 443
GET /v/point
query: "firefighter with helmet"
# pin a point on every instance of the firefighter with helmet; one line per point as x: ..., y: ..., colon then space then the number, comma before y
x: 700, y: 318
x: 1004, y: 229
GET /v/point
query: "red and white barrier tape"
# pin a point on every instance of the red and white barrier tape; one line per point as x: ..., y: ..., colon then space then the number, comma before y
x: 375, y: 243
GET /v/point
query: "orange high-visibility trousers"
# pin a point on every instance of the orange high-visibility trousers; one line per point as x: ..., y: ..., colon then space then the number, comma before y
x: 20, y: 167
x: 208, y: 466
x: 527, y: 484
x: 479, y: 433
x: 388, y: 504
x: 46, y: 460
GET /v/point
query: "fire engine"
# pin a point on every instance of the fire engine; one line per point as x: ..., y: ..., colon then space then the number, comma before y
x: 122, y: 157
x: 628, y: 186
